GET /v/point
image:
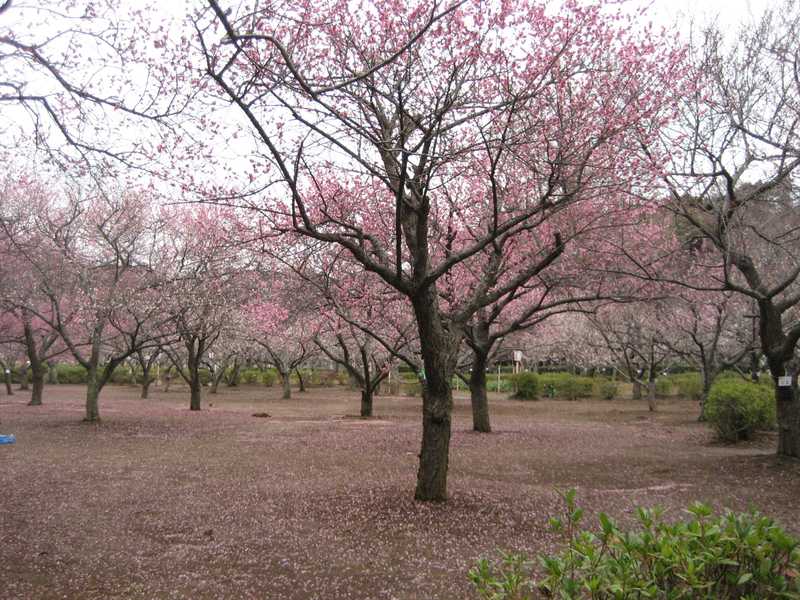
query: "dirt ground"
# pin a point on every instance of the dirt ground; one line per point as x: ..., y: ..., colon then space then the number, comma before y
x: 159, y: 502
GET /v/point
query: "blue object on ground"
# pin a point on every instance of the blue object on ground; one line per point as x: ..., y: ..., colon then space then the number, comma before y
x: 7, y: 439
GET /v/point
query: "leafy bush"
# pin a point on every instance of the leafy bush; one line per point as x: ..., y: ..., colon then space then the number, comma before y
x: 269, y: 377
x: 71, y: 373
x: 736, y: 555
x: 566, y: 385
x: 737, y: 408
x: 607, y: 390
x: 664, y: 387
x: 689, y: 385
x: 527, y: 385
x: 250, y: 376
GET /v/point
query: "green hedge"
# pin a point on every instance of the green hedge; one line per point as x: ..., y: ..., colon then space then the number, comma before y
x: 732, y: 556
x: 565, y: 385
x: 736, y: 408
x: 527, y: 385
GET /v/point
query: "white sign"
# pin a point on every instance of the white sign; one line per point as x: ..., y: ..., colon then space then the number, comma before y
x: 517, y: 355
x: 785, y: 381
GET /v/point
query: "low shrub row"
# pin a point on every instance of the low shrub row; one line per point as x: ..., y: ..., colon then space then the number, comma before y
x: 532, y: 386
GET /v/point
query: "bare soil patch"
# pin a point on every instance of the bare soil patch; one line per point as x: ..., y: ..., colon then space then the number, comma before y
x: 160, y: 502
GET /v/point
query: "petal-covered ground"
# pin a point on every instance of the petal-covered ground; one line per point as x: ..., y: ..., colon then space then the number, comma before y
x: 310, y: 502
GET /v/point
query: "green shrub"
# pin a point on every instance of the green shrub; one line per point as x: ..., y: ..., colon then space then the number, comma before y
x: 735, y: 555
x: 527, y: 385
x: 664, y: 387
x: 736, y: 408
x: 689, y: 385
x: 71, y: 373
x: 607, y: 390
x: 566, y: 385
x: 269, y: 377
x: 250, y: 376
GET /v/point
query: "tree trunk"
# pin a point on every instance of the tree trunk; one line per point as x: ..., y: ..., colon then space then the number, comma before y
x: 52, y: 373
x: 788, y: 411
x: 439, y: 349
x: 287, y: 384
x: 23, y: 377
x: 478, y: 395
x: 704, y: 398
x: 7, y: 379
x: 788, y: 414
x: 300, y: 380
x: 92, y: 393
x: 146, y: 388
x: 233, y: 378
x: 652, y: 404
x: 637, y: 390
x: 37, y: 378
x: 195, y: 386
x: 366, y: 402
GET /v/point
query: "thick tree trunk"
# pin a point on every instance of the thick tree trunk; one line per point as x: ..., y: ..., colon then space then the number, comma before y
x: 287, y: 384
x: 637, y: 390
x: 788, y: 407
x: 300, y: 380
x: 37, y: 380
x: 788, y: 412
x: 366, y: 402
x: 439, y: 348
x: 145, y: 394
x: 478, y: 395
x: 195, y: 386
x: 92, y: 394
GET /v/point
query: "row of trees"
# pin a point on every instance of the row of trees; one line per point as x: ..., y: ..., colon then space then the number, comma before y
x: 484, y: 168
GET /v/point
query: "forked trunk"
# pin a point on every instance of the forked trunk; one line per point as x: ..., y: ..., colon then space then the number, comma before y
x: 300, y: 380
x: 478, y: 395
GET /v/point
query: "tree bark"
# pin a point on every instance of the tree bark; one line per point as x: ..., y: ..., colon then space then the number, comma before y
x: 23, y: 377
x: 366, y: 402
x: 37, y: 379
x: 637, y: 390
x: 439, y: 348
x: 52, y: 373
x: 300, y: 380
x: 707, y: 378
x: 478, y: 395
x: 652, y: 403
x: 92, y: 394
x: 145, y: 394
x: 788, y: 412
x: 287, y: 384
